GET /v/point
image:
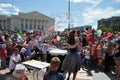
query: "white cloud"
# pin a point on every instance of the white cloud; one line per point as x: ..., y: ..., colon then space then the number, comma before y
x: 95, y: 2
x: 4, y: 9
x: 17, y: 10
x: 2, y: 5
x: 117, y: 1
x: 91, y: 15
x: 61, y: 22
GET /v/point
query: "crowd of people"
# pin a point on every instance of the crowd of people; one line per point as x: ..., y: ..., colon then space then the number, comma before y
x: 87, y: 49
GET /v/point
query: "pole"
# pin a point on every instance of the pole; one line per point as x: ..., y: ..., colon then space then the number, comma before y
x: 68, y: 15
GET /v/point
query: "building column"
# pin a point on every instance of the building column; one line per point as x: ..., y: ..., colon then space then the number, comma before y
x: 33, y: 24
x: 37, y: 22
x: 19, y: 25
x: 42, y: 25
x: 46, y: 27
x: 23, y: 24
x: 2, y: 23
x: 28, y: 24
x: 6, y: 25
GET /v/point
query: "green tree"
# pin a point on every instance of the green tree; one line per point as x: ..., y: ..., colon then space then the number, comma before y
x: 115, y: 27
x: 105, y: 29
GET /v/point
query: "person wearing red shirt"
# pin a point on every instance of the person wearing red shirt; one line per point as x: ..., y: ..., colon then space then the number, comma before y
x: 94, y: 57
x: 92, y: 39
x: 3, y: 55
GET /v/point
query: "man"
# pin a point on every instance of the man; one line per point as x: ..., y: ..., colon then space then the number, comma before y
x: 14, y: 60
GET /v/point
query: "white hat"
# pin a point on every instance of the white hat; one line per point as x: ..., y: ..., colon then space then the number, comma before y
x: 20, y: 71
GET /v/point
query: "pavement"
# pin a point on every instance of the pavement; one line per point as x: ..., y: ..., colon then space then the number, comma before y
x: 32, y: 75
x: 82, y: 75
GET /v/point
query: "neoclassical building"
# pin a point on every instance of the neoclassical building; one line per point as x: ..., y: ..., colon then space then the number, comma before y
x: 3, y: 22
x: 26, y: 21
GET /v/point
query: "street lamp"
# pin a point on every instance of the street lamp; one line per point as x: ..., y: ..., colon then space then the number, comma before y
x: 68, y: 15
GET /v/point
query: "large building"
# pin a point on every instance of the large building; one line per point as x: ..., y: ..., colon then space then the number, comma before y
x: 109, y: 21
x: 26, y: 21
x: 3, y: 21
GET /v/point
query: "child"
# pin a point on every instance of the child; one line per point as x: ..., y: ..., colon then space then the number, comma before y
x: 52, y: 73
x: 86, y: 59
x: 3, y: 56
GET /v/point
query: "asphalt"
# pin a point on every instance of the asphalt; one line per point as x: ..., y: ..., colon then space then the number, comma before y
x: 32, y: 75
x: 82, y: 75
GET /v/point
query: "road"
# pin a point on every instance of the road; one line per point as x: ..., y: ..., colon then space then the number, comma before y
x: 82, y: 75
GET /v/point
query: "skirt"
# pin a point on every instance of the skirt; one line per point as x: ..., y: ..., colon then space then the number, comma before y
x: 72, y: 62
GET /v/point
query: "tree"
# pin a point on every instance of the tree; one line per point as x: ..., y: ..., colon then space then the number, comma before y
x: 105, y: 29
x: 115, y: 27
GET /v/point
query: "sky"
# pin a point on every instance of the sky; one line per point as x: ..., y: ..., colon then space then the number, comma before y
x: 83, y: 12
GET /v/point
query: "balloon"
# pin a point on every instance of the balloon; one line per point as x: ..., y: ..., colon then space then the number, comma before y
x: 99, y: 32
x: 51, y: 29
x: 20, y: 32
x: 109, y: 34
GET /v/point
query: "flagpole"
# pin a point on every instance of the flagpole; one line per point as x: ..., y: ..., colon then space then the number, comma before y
x: 68, y: 15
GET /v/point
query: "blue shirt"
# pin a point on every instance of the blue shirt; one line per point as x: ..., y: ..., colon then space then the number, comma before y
x: 53, y: 75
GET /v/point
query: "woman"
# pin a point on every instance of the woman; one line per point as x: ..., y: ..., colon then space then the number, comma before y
x: 3, y: 53
x: 117, y: 59
x: 72, y: 61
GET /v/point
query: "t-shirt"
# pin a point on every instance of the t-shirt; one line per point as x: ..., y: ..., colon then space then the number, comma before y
x: 12, y: 65
x: 53, y: 75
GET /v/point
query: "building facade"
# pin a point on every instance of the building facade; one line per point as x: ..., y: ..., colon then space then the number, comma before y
x: 109, y: 21
x: 26, y: 21
x: 3, y: 21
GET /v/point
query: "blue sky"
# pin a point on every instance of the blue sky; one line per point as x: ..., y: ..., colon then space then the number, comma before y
x: 83, y: 12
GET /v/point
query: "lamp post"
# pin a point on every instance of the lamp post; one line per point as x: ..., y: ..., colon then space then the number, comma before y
x: 68, y: 15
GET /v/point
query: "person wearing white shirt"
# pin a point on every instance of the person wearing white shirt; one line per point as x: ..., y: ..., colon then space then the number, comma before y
x: 14, y: 59
x: 86, y: 59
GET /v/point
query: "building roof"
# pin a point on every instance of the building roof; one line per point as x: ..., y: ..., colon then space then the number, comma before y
x: 34, y: 15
